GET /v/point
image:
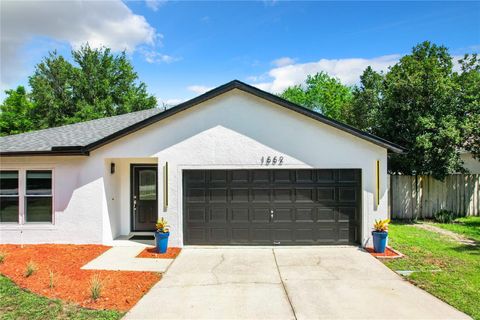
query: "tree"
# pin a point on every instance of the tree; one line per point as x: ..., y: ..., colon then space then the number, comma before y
x: 98, y: 85
x: 16, y: 112
x: 468, y: 83
x: 367, y: 100
x: 324, y: 94
x: 419, y: 112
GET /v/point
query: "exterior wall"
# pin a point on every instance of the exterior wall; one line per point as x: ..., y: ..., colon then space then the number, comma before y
x: 470, y: 163
x: 232, y: 131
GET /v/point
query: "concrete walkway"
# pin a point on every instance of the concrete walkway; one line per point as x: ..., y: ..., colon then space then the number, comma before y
x: 123, y: 258
x: 285, y: 283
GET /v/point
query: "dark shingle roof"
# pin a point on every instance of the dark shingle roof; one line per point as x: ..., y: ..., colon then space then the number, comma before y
x: 73, y: 135
x: 81, y: 138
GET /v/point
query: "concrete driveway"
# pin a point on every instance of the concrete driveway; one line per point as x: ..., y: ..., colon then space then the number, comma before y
x: 285, y: 283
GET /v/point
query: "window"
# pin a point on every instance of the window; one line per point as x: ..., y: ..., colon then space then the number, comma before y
x: 9, y: 197
x: 38, y: 196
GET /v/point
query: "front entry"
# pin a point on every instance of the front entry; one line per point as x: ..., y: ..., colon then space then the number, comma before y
x: 144, y: 200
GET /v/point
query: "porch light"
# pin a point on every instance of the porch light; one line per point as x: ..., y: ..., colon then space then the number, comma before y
x: 378, y: 182
x: 112, y: 168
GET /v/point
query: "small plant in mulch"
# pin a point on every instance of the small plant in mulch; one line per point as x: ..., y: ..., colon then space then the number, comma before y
x: 3, y: 255
x: 95, y: 287
x: 30, y: 269
x: 51, y: 279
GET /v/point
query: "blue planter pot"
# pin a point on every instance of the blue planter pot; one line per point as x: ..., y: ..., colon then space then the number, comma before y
x: 161, y: 241
x: 379, y: 241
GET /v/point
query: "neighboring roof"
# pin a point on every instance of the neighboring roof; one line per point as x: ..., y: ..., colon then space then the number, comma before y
x: 81, y: 138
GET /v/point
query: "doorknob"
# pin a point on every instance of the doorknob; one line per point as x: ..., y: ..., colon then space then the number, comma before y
x: 271, y: 214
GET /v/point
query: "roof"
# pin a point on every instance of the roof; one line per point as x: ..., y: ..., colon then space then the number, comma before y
x: 81, y: 138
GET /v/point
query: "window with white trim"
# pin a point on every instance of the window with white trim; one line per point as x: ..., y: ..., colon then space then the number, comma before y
x: 26, y: 196
x: 9, y: 196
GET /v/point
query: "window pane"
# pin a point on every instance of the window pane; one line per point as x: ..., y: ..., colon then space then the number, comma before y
x: 9, y: 209
x: 147, y: 185
x: 39, y: 182
x: 8, y: 182
x: 38, y: 209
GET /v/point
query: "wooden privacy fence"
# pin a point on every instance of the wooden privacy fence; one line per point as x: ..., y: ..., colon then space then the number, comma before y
x: 421, y: 196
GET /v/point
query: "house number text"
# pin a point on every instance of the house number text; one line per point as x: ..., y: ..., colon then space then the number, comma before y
x: 272, y: 160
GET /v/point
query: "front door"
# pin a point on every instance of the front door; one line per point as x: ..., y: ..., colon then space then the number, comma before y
x: 144, y: 203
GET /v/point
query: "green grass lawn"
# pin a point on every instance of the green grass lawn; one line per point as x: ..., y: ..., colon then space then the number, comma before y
x: 468, y: 227
x: 16, y: 303
x: 447, y: 269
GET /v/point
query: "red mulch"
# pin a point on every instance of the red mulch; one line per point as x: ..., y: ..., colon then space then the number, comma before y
x: 121, y: 289
x: 171, y: 253
x: 388, y: 254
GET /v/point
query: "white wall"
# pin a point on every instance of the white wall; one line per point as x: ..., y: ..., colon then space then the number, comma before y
x: 233, y: 130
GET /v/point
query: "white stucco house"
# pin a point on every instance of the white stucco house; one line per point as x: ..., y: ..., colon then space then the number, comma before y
x: 235, y: 165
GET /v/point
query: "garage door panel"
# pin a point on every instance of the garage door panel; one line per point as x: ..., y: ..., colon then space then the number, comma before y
x: 196, y: 195
x: 326, y: 215
x: 240, y: 215
x: 319, y: 206
x: 283, y: 215
x: 326, y: 175
x: 347, y: 194
x: 239, y: 195
x: 261, y: 195
x: 219, y: 215
x: 304, y: 195
x: 326, y: 194
x: 239, y: 176
x: 261, y: 215
x: 196, y: 214
x: 217, y: 195
x: 304, y: 215
x: 283, y: 195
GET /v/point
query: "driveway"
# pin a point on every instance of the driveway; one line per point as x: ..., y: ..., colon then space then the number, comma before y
x: 285, y: 283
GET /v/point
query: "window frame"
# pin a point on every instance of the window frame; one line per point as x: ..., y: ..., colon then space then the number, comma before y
x: 19, y: 187
x: 26, y: 196
x: 22, y: 196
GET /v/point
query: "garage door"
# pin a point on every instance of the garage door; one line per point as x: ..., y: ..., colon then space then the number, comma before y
x: 265, y: 207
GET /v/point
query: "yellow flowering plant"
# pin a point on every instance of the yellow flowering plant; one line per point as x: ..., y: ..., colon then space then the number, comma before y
x: 162, y: 225
x: 381, y: 225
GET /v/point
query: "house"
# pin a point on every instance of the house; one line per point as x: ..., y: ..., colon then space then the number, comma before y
x: 236, y: 165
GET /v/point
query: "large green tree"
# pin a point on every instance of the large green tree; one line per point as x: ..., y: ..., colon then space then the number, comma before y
x: 468, y: 84
x: 16, y: 112
x: 367, y: 100
x: 324, y: 94
x: 96, y: 84
x: 419, y: 112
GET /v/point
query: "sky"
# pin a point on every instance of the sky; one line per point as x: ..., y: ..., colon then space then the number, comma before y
x: 181, y: 49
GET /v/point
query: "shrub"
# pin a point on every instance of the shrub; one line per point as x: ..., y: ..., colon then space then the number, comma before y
x: 3, y: 255
x: 381, y: 225
x: 444, y: 216
x: 95, y: 287
x: 30, y: 269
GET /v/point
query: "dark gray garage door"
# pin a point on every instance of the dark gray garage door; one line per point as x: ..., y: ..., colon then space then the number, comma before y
x: 267, y: 207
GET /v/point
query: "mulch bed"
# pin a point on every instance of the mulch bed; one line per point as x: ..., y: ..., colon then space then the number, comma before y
x: 171, y: 253
x: 120, y: 289
x: 388, y: 254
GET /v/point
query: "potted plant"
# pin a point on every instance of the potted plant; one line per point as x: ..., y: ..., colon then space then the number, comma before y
x: 161, y: 235
x: 380, y: 235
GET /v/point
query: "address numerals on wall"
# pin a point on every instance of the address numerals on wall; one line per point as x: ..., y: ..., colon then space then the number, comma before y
x: 272, y: 160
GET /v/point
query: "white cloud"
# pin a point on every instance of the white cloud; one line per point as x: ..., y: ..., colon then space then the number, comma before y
x: 284, y: 61
x: 173, y: 102
x: 199, y: 89
x: 155, y: 4
x: 152, y: 56
x: 100, y: 23
x: 348, y: 71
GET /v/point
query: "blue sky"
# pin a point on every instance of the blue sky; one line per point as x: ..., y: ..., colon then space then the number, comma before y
x: 181, y: 49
